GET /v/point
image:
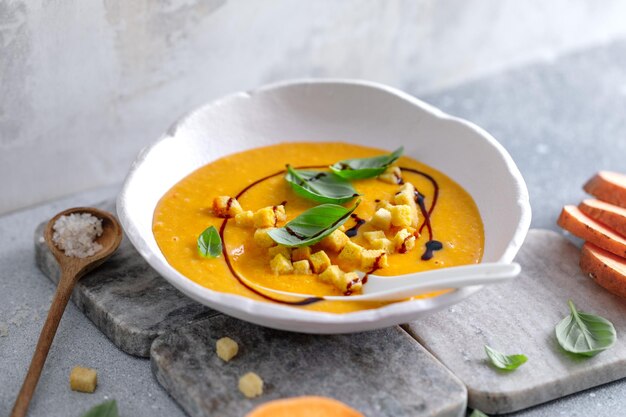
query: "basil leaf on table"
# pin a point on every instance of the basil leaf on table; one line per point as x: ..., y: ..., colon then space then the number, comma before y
x: 320, y: 186
x: 105, y: 409
x: 312, y: 225
x: 209, y: 243
x: 505, y: 362
x: 478, y: 413
x: 360, y: 168
x: 585, y: 334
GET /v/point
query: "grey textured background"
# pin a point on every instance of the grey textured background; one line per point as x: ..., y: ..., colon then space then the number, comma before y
x: 561, y: 121
x: 85, y: 84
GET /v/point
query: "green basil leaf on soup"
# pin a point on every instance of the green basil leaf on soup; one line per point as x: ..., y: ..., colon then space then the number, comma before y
x: 312, y: 225
x: 504, y: 362
x: 320, y: 186
x: 209, y: 243
x: 360, y: 168
x: 585, y: 334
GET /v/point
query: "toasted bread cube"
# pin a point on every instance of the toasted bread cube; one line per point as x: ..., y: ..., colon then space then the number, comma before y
x: 343, y: 227
x: 251, y: 385
x: 341, y: 280
x: 302, y: 267
x: 281, y: 265
x: 384, y: 244
x: 226, y: 207
x: 331, y: 274
x: 265, y: 217
x: 283, y: 250
x: 319, y: 261
x: 351, y: 253
x: 281, y: 214
x: 401, y: 216
x: 301, y: 254
x: 245, y: 218
x: 381, y: 219
x: 406, y: 196
x: 373, y: 236
x: 353, y: 282
x: 335, y: 241
x: 373, y: 259
x: 404, y: 241
x: 263, y: 239
x: 83, y: 379
x: 226, y: 348
x: 392, y: 175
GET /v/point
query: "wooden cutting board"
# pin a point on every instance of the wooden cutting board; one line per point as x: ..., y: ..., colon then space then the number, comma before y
x: 519, y: 317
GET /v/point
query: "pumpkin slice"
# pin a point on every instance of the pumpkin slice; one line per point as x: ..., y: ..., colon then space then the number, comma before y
x: 607, y: 214
x: 606, y: 269
x: 608, y: 186
x: 577, y: 223
x: 309, y: 406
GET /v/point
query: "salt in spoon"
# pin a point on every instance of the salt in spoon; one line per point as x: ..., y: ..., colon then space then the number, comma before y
x: 72, y: 269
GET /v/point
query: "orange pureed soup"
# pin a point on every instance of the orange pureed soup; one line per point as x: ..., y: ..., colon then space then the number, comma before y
x: 449, y: 230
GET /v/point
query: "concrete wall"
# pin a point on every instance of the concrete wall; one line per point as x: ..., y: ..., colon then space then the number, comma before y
x: 85, y: 84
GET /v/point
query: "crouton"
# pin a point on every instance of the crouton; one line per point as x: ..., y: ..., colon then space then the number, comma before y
x: 335, y: 241
x: 281, y: 265
x: 302, y: 267
x: 251, y: 385
x: 83, y: 379
x: 372, y: 236
x: 373, y: 259
x: 381, y: 219
x: 319, y: 261
x: 301, y: 254
x: 226, y: 207
x: 263, y: 239
x: 384, y: 244
x: 283, y: 250
x: 226, y: 348
x: 351, y: 253
x: 404, y: 241
x: 392, y: 175
x: 402, y: 216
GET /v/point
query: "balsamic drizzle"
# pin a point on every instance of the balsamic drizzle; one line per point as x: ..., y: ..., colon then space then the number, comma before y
x: 431, y: 246
x: 352, y: 232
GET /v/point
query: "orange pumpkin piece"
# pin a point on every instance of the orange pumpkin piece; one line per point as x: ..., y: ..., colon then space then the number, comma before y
x: 608, y: 186
x: 309, y: 406
x: 577, y: 223
x: 605, y: 213
x: 606, y: 269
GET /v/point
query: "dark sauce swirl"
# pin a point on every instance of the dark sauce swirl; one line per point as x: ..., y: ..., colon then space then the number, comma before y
x: 431, y: 246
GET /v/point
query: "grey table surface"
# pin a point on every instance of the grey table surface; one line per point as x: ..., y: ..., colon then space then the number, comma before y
x: 561, y: 121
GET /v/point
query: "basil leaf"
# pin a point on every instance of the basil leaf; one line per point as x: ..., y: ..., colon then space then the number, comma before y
x: 505, y: 362
x: 209, y: 243
x: 356, y: 169
x: 478, y: 413
x: 320, y: 186
x: 106, y: 409
x: 584, y: 334
x: 312, y: 226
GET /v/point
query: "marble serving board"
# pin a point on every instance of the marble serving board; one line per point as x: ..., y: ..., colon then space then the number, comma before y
x: 382, y: 373
x: 125, y: 298
x: 519, y: 317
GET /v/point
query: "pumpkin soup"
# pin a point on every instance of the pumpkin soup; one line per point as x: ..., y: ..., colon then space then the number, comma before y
x: 305, y: 217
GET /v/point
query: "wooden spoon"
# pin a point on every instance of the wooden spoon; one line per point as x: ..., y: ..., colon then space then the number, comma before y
x: 71, y: 270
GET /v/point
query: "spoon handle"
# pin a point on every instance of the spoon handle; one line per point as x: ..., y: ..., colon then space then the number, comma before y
x: 59, y: 302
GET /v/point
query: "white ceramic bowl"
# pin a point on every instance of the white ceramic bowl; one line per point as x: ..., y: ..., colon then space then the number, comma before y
x: 327, y: 110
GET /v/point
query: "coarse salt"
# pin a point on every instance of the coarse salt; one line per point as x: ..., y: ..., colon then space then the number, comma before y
x: 76, y: 234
